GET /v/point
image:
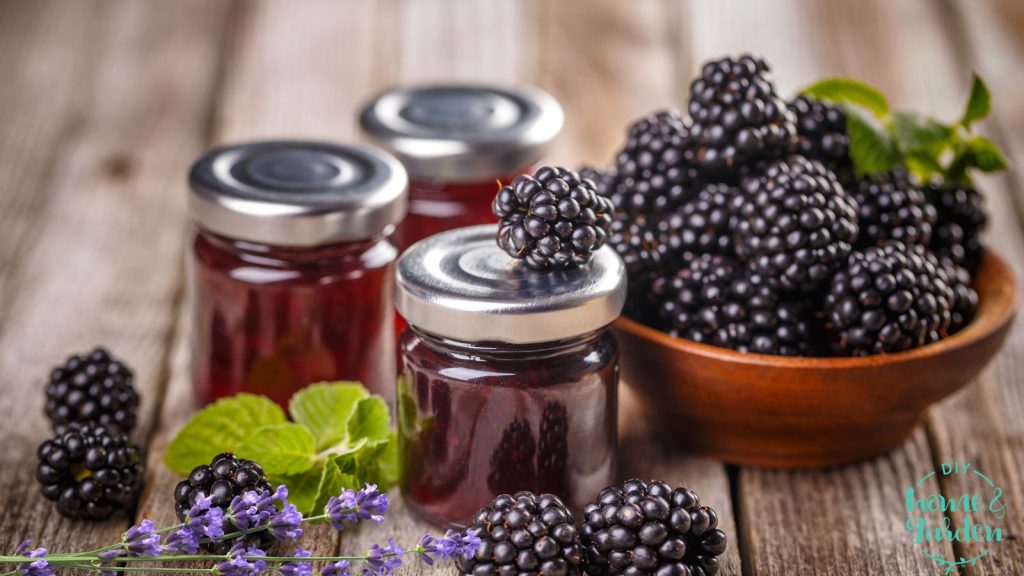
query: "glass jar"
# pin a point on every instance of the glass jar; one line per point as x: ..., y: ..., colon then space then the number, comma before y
x: 457, y: 142
x: 509, y: 375
x: 292, y: 270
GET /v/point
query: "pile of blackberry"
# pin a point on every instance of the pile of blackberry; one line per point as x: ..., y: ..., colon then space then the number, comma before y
x: 744, y: 225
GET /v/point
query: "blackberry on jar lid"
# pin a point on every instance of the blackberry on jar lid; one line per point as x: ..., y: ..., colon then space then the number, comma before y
x: 297, y: 193
x: 463, y: 133
x: 460, y: 285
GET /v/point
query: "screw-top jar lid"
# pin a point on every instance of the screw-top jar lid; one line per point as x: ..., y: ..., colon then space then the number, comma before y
x: 459, y: 284
x: 460, y: 133
x: 294, y: 193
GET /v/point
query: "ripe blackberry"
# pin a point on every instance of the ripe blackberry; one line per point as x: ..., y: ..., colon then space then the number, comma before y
x: 961, y: 217
x: 650, y: 528
x: 821, y: 134
x: 703, y: 222
x: 553, y: 219
x: 603, y: 180
x: 887, y: 299
x: 738, y: 117
x: 891, y: 207
x: 224, y: 478
x: 965, y: 299
x: 92, y: 387
x: 712, y: 300
x: 90, y: 470
x: 553, y: 449
x: 524, y: 535
x: 652, y: 173
x: 514, y: 458
x: 794, y: 224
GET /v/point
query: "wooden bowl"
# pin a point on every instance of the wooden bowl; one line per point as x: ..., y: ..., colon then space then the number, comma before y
x: 789, y: 412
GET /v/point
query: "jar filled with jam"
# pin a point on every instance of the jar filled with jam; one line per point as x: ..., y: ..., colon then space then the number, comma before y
x: 292, y: 269
x: 509, y: 375
x: 456, y: 142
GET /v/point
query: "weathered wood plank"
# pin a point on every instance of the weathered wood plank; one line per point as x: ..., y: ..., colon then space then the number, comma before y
x: 104, y: 264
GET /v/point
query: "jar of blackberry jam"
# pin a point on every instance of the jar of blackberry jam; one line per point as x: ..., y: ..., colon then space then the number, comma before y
x: 292, y: 271
x: 509, y: 378
x: 456, y: 142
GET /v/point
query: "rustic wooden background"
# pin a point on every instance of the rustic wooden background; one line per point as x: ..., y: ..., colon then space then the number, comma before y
x: 104, y: 103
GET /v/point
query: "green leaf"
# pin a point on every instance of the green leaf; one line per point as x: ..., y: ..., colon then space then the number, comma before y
x: 379, y: 463
x: 325, y: 409
x: 979, y: 103
x: 281, y: 448
x: 220, y: 427
x: 871, y: 148
x: 985, y: 155
x: 916, y: 133
x: 337, y: 475
x: 302, y: 488
x: 370, y: 422
x: 849, y: 91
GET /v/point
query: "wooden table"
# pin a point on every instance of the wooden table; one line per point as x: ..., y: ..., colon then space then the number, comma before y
x: 104, y: 103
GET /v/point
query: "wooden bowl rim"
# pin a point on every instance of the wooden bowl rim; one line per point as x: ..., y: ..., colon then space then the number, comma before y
x: 1004, y: 310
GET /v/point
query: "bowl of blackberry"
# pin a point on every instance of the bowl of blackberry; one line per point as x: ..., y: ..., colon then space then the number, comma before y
x: 806, y: 276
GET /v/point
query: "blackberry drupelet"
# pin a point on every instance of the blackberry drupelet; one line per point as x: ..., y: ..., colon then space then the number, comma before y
x: 888, y: 298
x: 524, y: 534
x: 224, y: 478
x: 650, y: 528
x: 514, y: 458
x: 891, y: 207
x: 712, y: 300
x: 738, y: 117
x: 821, y: 135
x: 93, y: 387
x: 652, y: 173
x: 553, y: 219
x: 603, y: 180
x: 961, y: 217
x: 90, y: 470
x: 965, y: 299
x: 794, y: 224
x: 553, y: 449
x: 703, y: 222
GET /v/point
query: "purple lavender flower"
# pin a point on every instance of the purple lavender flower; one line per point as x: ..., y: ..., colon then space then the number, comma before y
x: 39, y: 566
x: 182, y: 541
x: 292, y: 568
x: 241, y: 563
x: 451, y: 545
x: 142, y: 540
x: 383, y: 560
x: 286, y: 524
x: 202, y: 521
x: 251, y: 509
x: 107, y: 559
x: 351, y: 506
x: 339, y: 568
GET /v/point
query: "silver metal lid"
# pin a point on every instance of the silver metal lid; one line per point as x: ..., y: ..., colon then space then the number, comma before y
x: 459, y: 133
x: 460, y: 285
x: 294, y: 193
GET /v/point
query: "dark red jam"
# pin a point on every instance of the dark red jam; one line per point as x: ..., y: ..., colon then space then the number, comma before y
x: 271, y: 320
x: 477, y: 420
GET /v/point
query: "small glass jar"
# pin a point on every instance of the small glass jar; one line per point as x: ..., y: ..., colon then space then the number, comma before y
x: 456, y: 142
x: 292, y: 270
x: 509, y: 375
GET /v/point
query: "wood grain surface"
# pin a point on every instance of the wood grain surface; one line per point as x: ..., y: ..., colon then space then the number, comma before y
x: 104, y: 103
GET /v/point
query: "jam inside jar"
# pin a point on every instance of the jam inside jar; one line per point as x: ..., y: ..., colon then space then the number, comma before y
x: 480, y: 420
x: 275, y: 319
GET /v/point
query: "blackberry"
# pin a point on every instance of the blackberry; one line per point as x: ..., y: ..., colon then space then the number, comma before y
x: 553, y: 449
x: 794, y: 224
x: 603, y: 180
x: 891, y: 207
x: 90, y: 470
x: 652, y: 173
x: 821, y: 135
x: 712, y: 300
x: 961, y: 217
x: 738, y: 116
x: 553, y: 219
x: 513, y: 458
x: 703, y: 222
x: 224, y: 478
x: 965, y: 299
x: 524, y: 534
x: 888, y: 298
x: 92, y: 387
x: 650, y: 528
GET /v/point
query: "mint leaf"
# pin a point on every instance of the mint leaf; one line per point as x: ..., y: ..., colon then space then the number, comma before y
x: 371, y: 421
x: 379, y: 463
x: 985, y: 155
x: 220, y: 427
x: 916, y: 133
x: 337, y: 475
x: 281, y: 449
x: 979, y: 103
x: 325, y: 409
x: 849, y: 91
x: 302, y: 488
x: 871, y: 148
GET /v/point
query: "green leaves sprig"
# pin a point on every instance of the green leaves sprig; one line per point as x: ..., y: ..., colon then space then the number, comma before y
x: 339, y: 436
x: 881, y: 138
